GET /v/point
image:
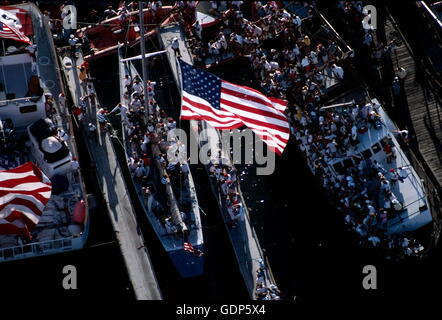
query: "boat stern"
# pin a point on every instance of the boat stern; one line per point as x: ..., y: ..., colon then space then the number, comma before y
x: 188, y: 264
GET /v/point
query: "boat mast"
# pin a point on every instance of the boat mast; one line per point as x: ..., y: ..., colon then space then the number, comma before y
x: 143, y: 59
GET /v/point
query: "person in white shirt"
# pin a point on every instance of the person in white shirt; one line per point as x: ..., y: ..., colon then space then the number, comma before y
x: 305, y: 62
x: 150, y: 89
x: 170, y: 227
x: 127, y: 81
x: 62, y: 135
x: 109, y: 12
x: 123, y: 112
x: 62, y: 100
x: 92, y: 130
x: 140, y: 171
x: 374, y: 240
x: 138, y: 87
x: 101, y: 117
x: 197, y: 29
x: 402, y: 173
x: 74, y: 164
x: 73, y: 43
x: 176, y: 46
x: 136, y: 104
x: 338, y: 71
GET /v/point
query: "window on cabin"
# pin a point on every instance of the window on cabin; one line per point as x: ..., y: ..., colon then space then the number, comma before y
x: 376, y: 148
x: 15, y: 81
x: 366, y: 154
x: 28, y: 109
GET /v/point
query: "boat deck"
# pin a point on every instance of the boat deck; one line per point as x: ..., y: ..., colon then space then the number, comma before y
x: 243, y: 238
x: 121, y: 212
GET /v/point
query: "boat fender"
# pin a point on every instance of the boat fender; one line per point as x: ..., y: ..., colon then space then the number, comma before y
x: 79, y: 214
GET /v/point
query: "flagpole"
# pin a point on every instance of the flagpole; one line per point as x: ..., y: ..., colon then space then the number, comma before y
x: 180, y: 88
x: 143, y: 58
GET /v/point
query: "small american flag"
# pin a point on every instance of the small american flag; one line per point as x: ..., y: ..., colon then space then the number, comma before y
x: 188, y: 247
x: 9, y: 32
x: 24, y: 193
x: 225, y: 105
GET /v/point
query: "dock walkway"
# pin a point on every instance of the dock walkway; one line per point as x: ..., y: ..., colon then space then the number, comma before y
x: 421, y: 110
x: 243, y: 238
x: 119, y: 207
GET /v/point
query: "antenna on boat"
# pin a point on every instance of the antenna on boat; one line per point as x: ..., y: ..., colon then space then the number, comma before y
x: 143, y: 58
x: 338, y: 105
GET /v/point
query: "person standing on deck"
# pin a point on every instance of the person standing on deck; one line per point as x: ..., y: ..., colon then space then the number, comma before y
x: 92, y: 129
x: 197, y: 30
x: 176, y: 46
x: 128, y: 83
x: 73, y: 43
x: 123, y: 112
x: 402, y: 173
x: 101, y: 117
x: 62, y: 101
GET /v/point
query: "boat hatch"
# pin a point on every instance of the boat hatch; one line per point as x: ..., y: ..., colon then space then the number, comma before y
x: 376, y: 148
x: 15, y: 87
x: 366, y: 154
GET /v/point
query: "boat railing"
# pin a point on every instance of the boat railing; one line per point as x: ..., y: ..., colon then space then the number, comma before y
x: 37, y: 248
x: 400, y: 219
x: 19, y: 100
x: 430, y: 13
x: 342, y: 44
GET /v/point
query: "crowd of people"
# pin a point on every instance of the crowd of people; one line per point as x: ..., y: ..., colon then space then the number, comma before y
x: 298, y: 72
x: 150, y: 139
x: 263, y: 291
x: 226, y: 179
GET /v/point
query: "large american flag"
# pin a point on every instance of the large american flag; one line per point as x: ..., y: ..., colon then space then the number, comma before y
x: 225, y: 105
x: 24, y: 192
x: 10, y: 32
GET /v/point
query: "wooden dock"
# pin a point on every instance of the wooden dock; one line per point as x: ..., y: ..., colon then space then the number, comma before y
x: 420, y: 110
x: 243, y: 238
x: 113, y: 187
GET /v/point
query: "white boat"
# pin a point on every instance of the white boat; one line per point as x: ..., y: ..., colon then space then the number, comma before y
x: 411, y: 211
x: 27, y: 81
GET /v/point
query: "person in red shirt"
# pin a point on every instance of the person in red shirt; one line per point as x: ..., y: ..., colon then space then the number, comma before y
x: 388, y: 149
x: 146, y: 160
x: 77, y: 112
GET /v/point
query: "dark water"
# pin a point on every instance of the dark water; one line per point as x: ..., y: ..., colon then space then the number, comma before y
x: 312, y: 256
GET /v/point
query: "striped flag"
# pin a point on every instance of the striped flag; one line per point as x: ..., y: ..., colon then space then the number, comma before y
x: 225, y: 105
x: 24, y: 192
x: 10, y: 32
x: 188, y: 247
